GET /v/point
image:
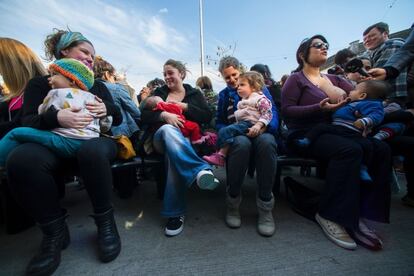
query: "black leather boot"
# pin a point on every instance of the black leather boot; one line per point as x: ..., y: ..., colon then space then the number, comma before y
x: 55, y: 238
x: 109, y: 243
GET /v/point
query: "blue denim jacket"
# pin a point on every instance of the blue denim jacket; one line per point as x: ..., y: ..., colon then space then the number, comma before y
x: 130, y: 112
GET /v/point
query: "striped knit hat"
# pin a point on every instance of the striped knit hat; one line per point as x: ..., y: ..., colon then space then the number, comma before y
x: 75, y: 71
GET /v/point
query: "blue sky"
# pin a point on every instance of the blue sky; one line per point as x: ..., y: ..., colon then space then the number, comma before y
x: 139, y: 36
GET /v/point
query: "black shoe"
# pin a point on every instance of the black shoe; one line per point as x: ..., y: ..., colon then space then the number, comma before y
x: 302, y: 143
x: 109, y: 242
x: 174, y: 226
x: 55, y: 238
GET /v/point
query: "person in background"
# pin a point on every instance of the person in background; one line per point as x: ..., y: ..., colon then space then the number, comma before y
x: 204, y: 83
x: 18, y: 64
x: 121, y: 79
x: 149, y: 88
x: 379, y: 50
x: 273, y: 87
x: 397, y: 62
x: 283, y: 80
x: 131, y: 115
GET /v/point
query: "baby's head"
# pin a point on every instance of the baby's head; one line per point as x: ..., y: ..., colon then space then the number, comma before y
x: 370, y: 89
x: 70, y: 73
x: 152, y: 101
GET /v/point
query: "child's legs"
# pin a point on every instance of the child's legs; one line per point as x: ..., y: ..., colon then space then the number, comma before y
x: 226, y: 134
x: 65, y: 147
x: 8, y: 143
x: 192, y: 130
x: 392, y: 129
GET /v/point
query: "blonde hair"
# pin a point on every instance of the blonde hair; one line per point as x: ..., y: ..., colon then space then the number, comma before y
x: 18, y: 64
x: 254, y: 79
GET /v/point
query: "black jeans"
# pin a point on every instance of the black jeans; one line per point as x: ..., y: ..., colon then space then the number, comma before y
x: 342, y: 131
x: 344, y: 199
x: 263, y: 150
x: 35, y: 175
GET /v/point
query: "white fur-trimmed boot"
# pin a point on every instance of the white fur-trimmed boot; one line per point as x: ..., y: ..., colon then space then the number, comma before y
x: 265, y: 222
x: 233, y: 219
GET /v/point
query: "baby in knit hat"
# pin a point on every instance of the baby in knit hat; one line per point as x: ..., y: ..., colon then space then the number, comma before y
x: 70, y: 80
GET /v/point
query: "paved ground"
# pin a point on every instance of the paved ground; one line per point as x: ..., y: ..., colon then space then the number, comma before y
x: 208, y: 247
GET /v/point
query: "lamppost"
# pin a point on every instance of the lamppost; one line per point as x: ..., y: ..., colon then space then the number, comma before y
x: 201, y: 38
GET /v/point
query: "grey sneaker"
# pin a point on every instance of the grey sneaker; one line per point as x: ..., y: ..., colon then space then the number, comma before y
x: 336, y: 233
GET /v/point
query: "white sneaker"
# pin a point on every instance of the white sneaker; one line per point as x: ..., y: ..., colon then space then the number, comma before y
x: 336, y: 233
x: 206, y: 180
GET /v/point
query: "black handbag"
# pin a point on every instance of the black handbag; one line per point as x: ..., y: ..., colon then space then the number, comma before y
x: 301, y: 198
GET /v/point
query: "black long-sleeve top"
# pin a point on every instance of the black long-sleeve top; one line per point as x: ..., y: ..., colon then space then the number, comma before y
x: 8, y: 121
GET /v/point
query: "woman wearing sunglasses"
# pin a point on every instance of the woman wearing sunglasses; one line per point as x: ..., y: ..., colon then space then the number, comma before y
x: 308, y: 98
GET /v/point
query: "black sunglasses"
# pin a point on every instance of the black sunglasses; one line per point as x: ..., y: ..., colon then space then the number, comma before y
x: 319, y: 45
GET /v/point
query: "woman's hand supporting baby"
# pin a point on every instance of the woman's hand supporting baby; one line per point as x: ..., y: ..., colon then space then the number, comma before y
x: 74, y: 118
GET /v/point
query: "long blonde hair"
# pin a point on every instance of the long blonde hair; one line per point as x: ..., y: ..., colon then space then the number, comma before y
x: 18, y: 64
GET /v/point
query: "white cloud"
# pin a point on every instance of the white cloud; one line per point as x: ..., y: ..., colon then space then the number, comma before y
x: 164, y: 10
x: 128, y: 37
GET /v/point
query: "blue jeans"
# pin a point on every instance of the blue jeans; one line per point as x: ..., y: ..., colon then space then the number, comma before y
x: 62, y: 146
x: 226, y: 134
x: 182, y: 166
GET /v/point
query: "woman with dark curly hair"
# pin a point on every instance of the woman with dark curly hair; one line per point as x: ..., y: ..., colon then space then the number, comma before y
x: 38, y: 188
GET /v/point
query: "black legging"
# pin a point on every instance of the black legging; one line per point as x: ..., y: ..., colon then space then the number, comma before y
x: 344, y: 199
x: 33, y: 173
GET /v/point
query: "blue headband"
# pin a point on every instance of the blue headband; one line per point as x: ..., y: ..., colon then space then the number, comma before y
x: 66, y: 40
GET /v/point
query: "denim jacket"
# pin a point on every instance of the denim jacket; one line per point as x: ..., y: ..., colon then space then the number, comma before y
x: 130, y: 112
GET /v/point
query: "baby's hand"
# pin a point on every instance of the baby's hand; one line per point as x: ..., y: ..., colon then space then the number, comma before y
x: 359, y: 124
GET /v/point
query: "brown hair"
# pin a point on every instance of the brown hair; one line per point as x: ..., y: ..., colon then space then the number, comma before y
x: 177, y: 65
x: 255, y: 80
x: 101, y: 66
x: 381, y: 26
x: 376, y: 89
x: 18, y: 64
x: 52, y: 41
x: 204, y: 82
